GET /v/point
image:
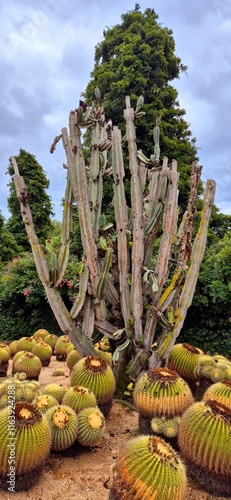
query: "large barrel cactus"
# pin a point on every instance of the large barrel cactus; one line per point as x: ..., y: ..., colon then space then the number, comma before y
x: 205, y: 443
x: 159, y: 395
x: 148, y: 468
x: 25, y: 442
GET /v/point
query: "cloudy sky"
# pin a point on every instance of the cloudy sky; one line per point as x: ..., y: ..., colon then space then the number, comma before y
x: 47, y: 54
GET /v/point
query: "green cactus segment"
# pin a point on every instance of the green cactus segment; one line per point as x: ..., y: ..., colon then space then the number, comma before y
x: 93, y: 372
x: 104, y: 275
x: 205, y: 438
x: 150, y: 469
x: 79, y: 397
x: 55, y: 390
x: 28, y: 363
x: 91, y: 426
x: 32, y: 439
x: 44, y: 402
x: 220, y: 391
x: 63, y: 424
x: 161, y: 392
x: 183, y: 359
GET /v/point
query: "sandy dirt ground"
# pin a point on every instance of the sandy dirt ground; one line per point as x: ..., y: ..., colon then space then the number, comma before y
x: 86, y: 473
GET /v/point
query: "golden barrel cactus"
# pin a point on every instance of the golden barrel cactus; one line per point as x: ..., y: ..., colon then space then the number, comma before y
x: 148, y: 469
x: 25, y: 442
x: 95, y: 373
x: 205, y: 443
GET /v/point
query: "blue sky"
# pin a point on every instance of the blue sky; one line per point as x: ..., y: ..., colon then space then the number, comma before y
x: 47, y: 54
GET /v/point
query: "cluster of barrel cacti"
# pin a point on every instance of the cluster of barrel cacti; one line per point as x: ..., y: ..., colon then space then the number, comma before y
x: 202, y: 430
x: 53, y: 418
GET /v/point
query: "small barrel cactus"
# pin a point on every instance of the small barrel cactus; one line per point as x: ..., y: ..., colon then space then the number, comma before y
x: 44, y: 402
x: 95, y: 373
x: 63, y: 424
x: 91, y: 426
x: 28, y: 363
x: 41, y: 332
x: 168, y: 427
x: 55, y: 390
x: 27, y: 442
x: 148, y: 468
x: 183, y: 359
x: 72, y: 357
x: 25, y: 344
x: 205, y: 443
x: 51, y: 339
x: 220, y: 391
x: 13, y: 348
x: 61, y: 347
x: 43, y: 351
x: 79, y: 397
x: 4, y: 358
x: 160, y: 392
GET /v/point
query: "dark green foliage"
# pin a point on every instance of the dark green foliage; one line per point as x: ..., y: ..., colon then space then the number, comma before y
x: 40, y: 202
x: 23, y: 304
x: 8, y: 245
x: 137, y: 57
x: 208, y: 322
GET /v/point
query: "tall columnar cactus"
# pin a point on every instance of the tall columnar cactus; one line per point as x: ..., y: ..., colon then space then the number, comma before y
x: 122, y: 294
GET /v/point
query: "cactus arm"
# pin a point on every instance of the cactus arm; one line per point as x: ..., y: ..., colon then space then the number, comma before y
x: 65, y: 233
x: 142, y: 176
x: 182, y: 241
x: 76, y: 166
x: 103, y: 137
x: 93, y: 184
x: 111, y: 292
x: 79, y: 301
x: 137, y: 227
x: 38, y: 254
x: 169, y: 224
x: 88, y: 318
x: 57, y: 305
x: 121, y: 217
x: 189, y: 286
x: 157, y: 193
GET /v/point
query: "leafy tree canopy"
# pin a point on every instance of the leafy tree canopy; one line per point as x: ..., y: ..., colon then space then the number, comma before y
x: 8, y: 245
x: 137, y: 57
x: 40, y: 203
